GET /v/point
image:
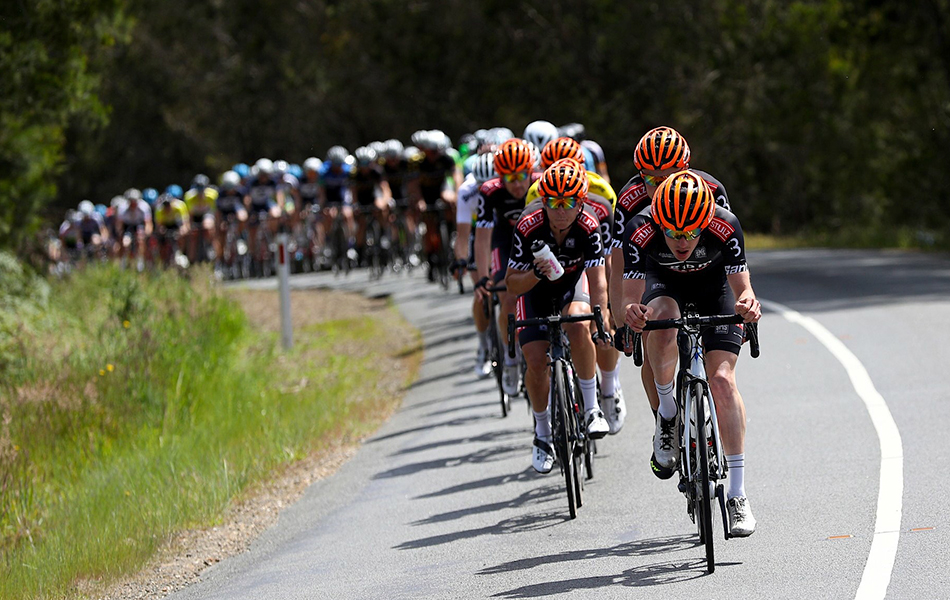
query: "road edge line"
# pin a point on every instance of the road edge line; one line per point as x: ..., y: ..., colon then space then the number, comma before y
x: 880, y: 563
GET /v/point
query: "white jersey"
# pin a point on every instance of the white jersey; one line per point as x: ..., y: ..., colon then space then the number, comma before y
x: 138, y: 215
x: 467, y: 200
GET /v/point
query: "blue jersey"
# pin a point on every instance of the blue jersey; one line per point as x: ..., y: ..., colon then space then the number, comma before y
x: 335, y: 182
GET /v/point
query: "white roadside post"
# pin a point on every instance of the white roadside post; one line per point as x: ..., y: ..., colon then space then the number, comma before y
x: 283, y: 285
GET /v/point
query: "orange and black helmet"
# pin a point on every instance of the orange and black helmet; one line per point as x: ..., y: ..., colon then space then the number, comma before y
x: 562, y: 147
x: 513, y: 156
x: 564, y: 179
x: 661, y: 148
x: 683, y: 202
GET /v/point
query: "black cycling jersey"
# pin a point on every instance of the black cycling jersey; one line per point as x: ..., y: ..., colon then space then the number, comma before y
x: 397, y: 175
x: 432, y: 175
x: 496, y: 207
x: 583, y: 248
x: 263, y: 193
x: 720, y: 251
x: 231, y: 201
x: 309, y: 191
x: 633, y: 198
x: 365, y: 184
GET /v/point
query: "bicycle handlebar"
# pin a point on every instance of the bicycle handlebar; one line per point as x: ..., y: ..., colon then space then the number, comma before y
x: 751, y: 331
x: 555, y: 320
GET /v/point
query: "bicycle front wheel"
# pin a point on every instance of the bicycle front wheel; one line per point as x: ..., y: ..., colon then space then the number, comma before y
x: 703, y: 495
x: 562, y: 431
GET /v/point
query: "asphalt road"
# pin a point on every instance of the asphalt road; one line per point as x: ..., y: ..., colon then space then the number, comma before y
x: 442, y: 502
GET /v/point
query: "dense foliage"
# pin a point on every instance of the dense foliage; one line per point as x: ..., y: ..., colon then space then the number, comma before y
x: 817, y: 115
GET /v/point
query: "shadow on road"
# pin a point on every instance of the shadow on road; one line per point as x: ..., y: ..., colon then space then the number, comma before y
x: 488, y: 482
x: 487, y: 437
x: 533, y: 498
x: 661, y: 573
x: 485, y: 455
x: 518, y: 524
x: 428, y: 427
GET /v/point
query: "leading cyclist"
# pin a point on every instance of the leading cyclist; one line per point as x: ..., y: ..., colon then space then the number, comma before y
x: 686, y: 249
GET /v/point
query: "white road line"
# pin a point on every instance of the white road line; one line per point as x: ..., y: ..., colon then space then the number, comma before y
x: 877, y: 571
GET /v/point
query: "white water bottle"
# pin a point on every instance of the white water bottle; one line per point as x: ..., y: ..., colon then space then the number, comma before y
x: 544, y: 252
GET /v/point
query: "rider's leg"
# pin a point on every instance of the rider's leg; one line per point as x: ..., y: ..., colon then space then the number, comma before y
x: 661, y: 348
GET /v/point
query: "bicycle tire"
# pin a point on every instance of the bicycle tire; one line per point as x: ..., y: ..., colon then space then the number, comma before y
x: 444, y: 255
x: 703, y: 496
x: 562, y: 445
x: 494, y: 355
x: 576, y: 439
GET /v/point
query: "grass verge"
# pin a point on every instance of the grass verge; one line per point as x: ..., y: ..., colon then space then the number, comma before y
x: 134, y: 407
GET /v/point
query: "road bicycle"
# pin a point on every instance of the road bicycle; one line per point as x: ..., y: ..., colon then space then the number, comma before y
x: 702, y: 463
x: 572, y: 446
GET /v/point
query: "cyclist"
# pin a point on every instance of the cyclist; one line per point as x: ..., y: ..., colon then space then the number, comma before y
x: 465, y: 215
x: 659, y: 153
x: 562, y: 220
x: 685, y: 249
x: 263, y: 197
x: 370, y: 192
x: 600, y: 160
x: 436, y: 178
x: 603, y: 200
x: 133, y: 226
x: 171, y: 222
x: 501, y: 202
x: 229, y: 207
x: 540, y: 133
x: 200, y: 200
x: 92, y: 228
x: 310, y: 201
x: 335, y: 195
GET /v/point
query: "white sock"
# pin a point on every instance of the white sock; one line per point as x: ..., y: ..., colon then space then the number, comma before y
x: 542, y: 424
x: 589, y: 392
x: 483, y: 340
x: 736, y: 465
x: 667, y: 401
x: 608, y: 381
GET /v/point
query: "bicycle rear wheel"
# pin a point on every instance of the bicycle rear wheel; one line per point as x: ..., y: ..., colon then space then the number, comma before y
x: 703, y: 493
x: 560, y: 420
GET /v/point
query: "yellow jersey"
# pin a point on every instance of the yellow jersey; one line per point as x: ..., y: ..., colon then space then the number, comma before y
x: 597, y: 187
x: 171, y: 214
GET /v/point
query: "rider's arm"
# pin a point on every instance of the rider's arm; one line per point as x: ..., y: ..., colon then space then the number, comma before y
x: 482, y: 251
x: 484, y: 221
x: 520, y: 282
x: 387, y: 192
x: 597, y: 279
x: 464, y: 231
x: 615, y: 286
x: 746, y: 303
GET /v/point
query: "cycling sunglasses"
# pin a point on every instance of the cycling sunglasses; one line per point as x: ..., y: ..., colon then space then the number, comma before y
x: 512, y: 177
x: 652, y: 181
x: 690, y: 234
x: 555, y: 202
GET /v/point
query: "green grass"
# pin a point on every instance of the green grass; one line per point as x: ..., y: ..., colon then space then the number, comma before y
x: 137, y: 406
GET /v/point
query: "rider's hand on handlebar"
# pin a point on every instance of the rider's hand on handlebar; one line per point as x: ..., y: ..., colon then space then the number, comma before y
x: 481, y: 289
x: 749, y: 309
x: 637, y: 315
